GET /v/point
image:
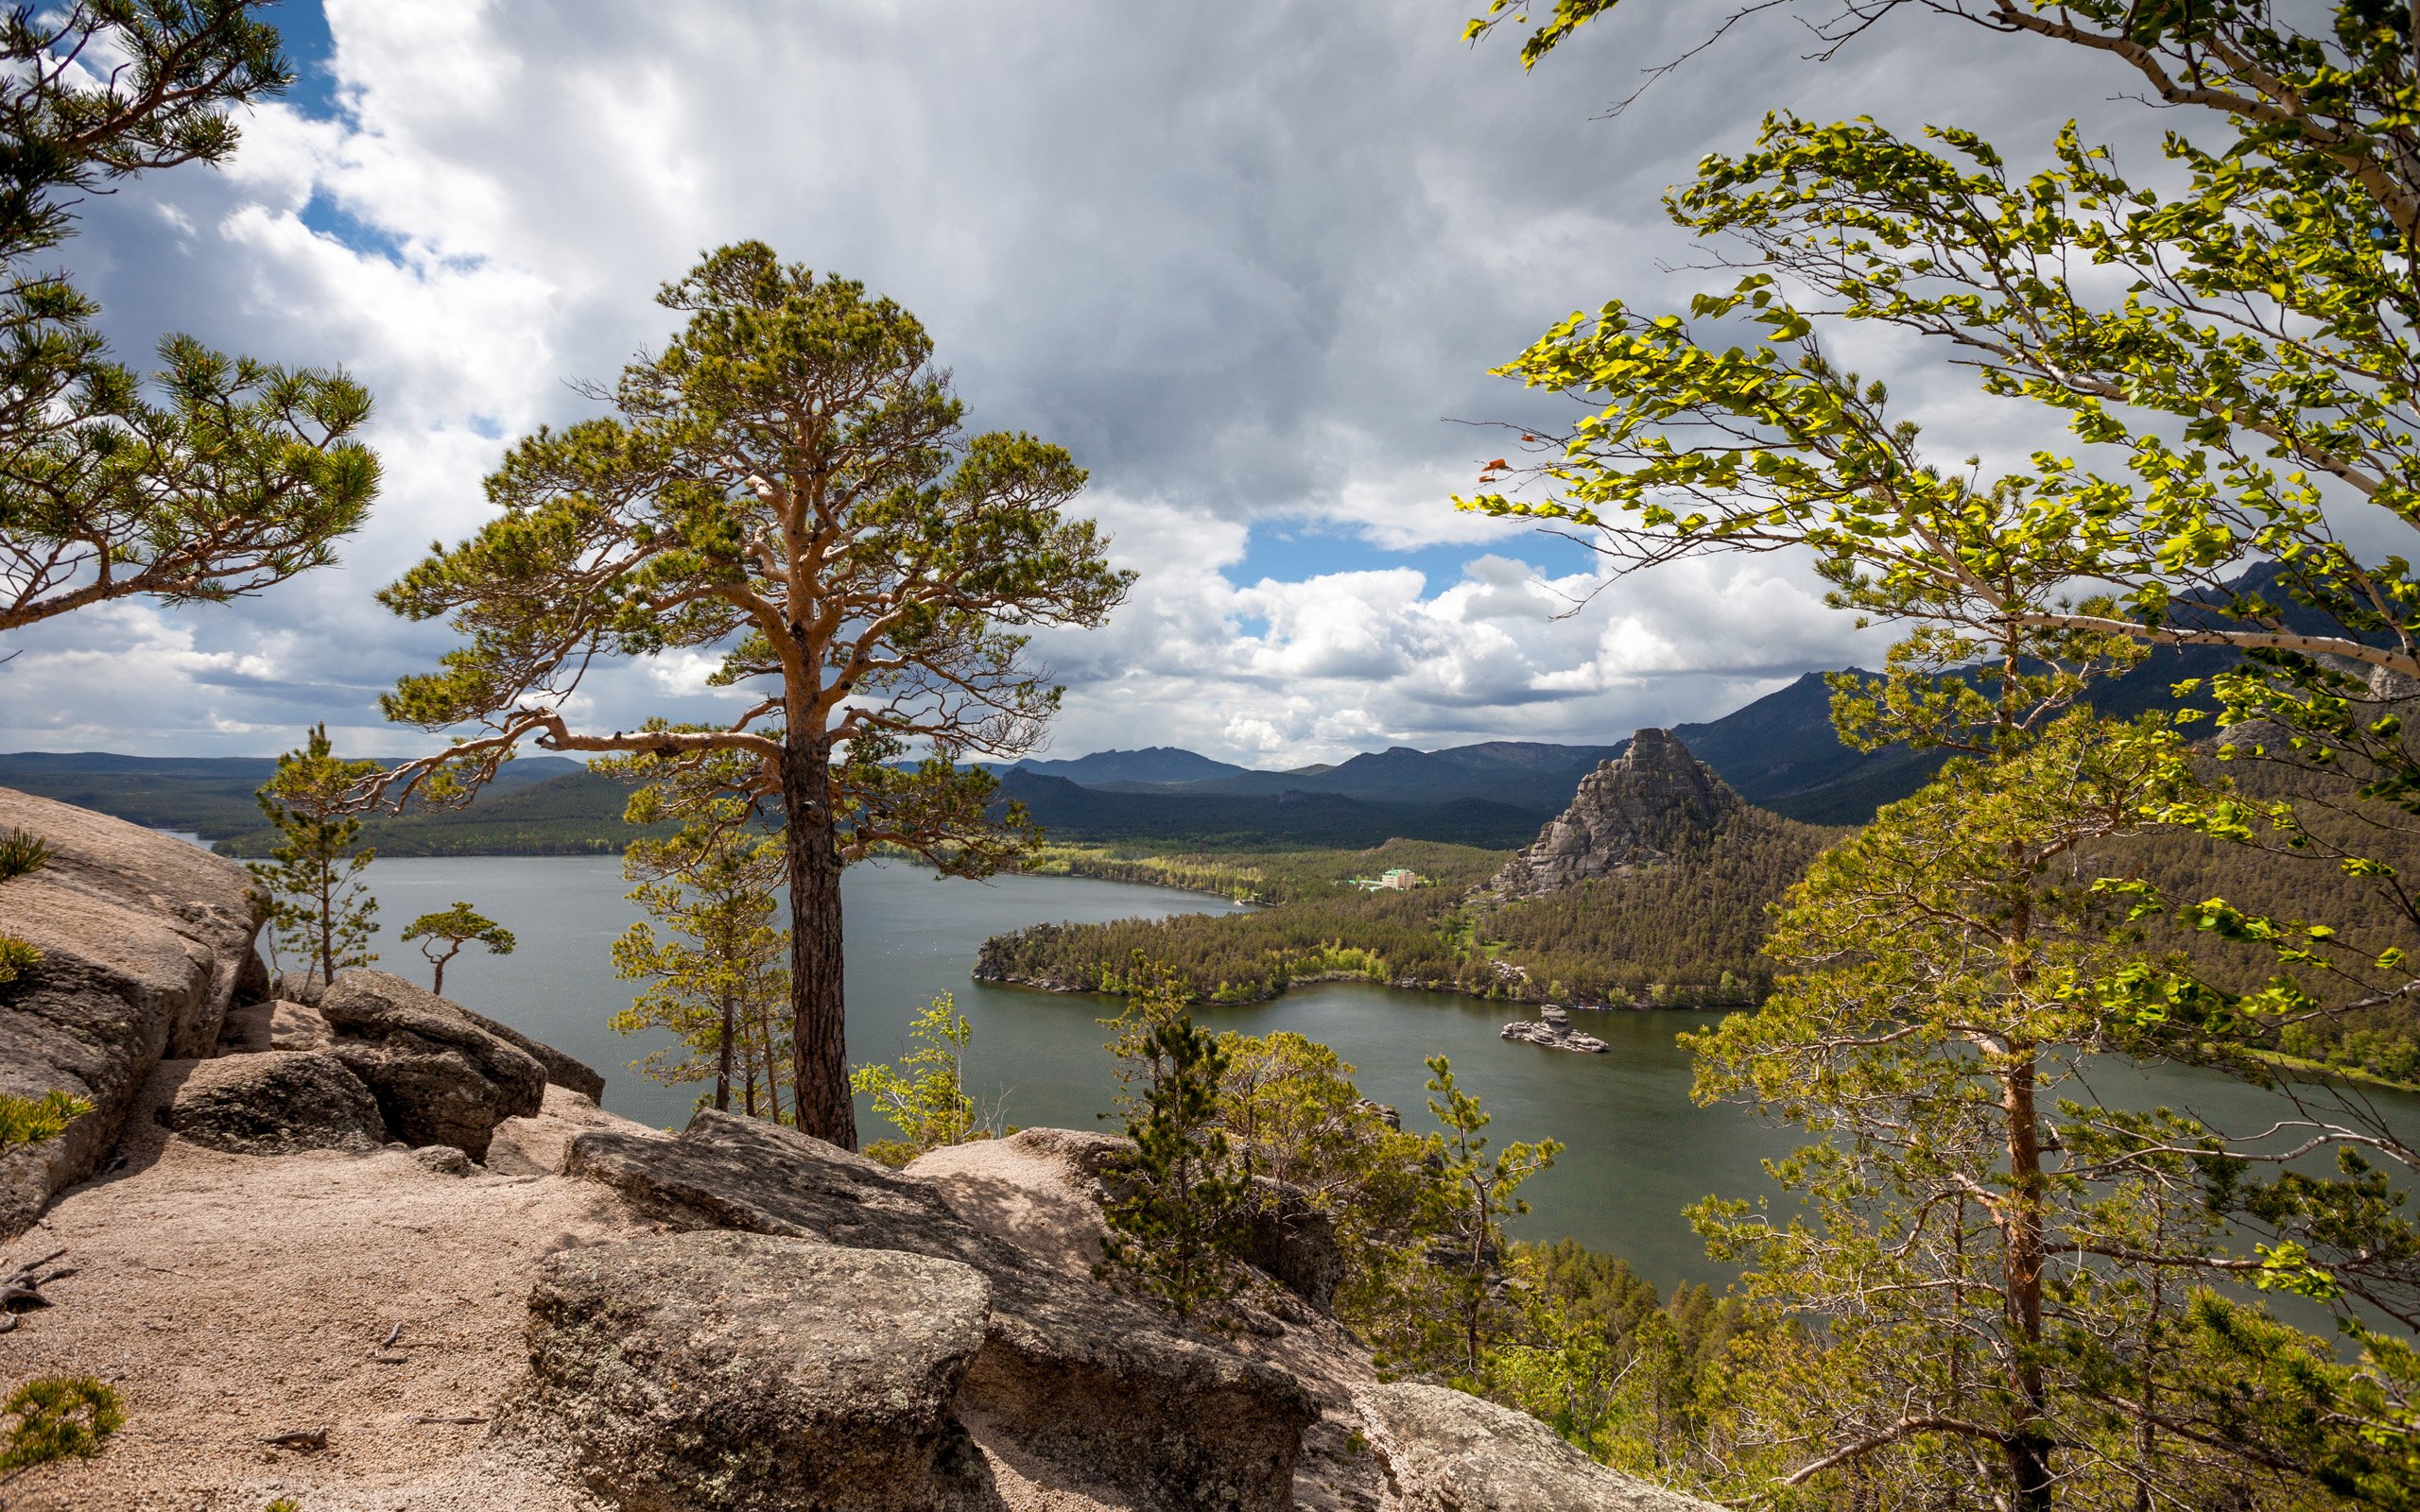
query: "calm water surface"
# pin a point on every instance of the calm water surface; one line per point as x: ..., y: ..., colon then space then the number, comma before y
x: 1635, y: 1153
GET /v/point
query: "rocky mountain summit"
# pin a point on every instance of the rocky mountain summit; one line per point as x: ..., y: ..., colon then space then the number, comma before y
x: 1630, y: 812
x: 373, y: 1249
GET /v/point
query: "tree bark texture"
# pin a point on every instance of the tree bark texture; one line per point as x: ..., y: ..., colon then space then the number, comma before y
x: 818, y: 1052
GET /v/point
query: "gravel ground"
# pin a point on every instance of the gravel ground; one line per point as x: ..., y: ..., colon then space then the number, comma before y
x: 235, y: 1297
x: 232, y: 1298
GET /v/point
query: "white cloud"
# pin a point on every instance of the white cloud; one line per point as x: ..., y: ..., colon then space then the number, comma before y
x: 1246, y: 261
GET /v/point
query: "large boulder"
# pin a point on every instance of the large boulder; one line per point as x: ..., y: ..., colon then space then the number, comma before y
x: 1446, y: 1451
x: 146, y: 942
x: 755, y: 1374
x: 1043, y: 1191
x: 440, y: 1078
x: 273, y: 1103
x: 1069, y: 1373
x: 562, y: 1069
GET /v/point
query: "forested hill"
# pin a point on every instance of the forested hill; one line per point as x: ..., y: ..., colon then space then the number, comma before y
x: 1649, y: 887
x: 212, y: 797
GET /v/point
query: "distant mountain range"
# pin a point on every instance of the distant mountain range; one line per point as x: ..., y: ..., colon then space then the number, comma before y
x: 208, y: 795
x: 1779, y: 752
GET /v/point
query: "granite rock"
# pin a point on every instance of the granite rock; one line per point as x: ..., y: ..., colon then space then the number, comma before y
x: 755, y: 1374
x: 1634, y: 810
x: 1446, y: 1451
x: 274, y: 1102
x: 146, y: 941
x: 440, y: 1076
x: 1069, y: 1373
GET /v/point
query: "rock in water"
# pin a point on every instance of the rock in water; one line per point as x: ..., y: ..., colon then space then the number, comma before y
x: 1072, y: 1374
x: 145, y: 941
x: 1630, y: 812
x: 1446, y: 1451
x: 274, y: 1102
x: 1553, y: 1031
x: 440, y: 1078
x: 758, y: 1374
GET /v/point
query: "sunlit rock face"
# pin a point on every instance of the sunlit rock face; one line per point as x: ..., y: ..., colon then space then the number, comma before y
x: 1630, y: 812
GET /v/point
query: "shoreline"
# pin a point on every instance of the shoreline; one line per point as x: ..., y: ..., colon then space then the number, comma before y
x: 1399, y: 984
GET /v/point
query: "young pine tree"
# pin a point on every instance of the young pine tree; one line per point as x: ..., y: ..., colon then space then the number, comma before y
x: 1471, y: 1195
x: 924, y: 1097
x: 320, y: 907
x: 442, y: 935
x: 1176, y: 1229
x: 715, y: 980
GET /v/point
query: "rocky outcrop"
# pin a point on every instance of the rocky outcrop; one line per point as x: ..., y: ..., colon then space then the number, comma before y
x: 739, y: 1371
x: 1069, y: 1374
x: 1630, y: 812
x: 1553, y: 1030
x: 562, y: 1069
x: 146, y: 942
x: 440, y: 1076
x: 274, y: 1102
x: 1446, y: 1451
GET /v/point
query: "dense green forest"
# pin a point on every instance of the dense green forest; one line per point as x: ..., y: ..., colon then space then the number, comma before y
x: 1686, y: 933
x: 575, y: 814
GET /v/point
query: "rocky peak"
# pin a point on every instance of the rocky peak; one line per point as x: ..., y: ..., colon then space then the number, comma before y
x: 1630, y: 812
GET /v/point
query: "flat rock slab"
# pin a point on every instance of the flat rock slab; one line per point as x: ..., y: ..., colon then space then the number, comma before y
x: 274, y: 1102
x: 1069, y: 1372
x: 1446, y: 1451
x: 739, y: 1371
x: 440, y: 1077
x: 146, y: 942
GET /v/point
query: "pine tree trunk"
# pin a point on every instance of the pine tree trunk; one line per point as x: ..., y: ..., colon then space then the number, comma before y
x: 818, y: 1050
x: 722, y: 1070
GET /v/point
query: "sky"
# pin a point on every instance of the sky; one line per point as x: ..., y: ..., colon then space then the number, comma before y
x: 1250, y: 262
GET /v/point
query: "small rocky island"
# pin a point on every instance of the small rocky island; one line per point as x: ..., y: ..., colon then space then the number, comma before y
x: 1553, y: 1030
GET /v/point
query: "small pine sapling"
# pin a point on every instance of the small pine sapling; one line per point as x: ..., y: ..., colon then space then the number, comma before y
x: 21, y: 852
x: 442, y: 935
x: 32, y: 1120
x: 17, y: 957
x: 924, y: 1097
x: 1177, y: 1226
x: 58, y: 1418
x: 319, y: 906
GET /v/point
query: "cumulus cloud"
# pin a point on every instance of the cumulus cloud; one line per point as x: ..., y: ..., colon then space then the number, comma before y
x: 1248, y: 262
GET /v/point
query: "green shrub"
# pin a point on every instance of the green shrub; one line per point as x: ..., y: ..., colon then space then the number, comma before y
x: 20, y: 853
x: 28, y: 1121
x: 58, y: 1416
x: 17, y: 957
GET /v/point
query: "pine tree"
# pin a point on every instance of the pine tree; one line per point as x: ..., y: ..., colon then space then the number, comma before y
x: 452, y: 929
x: 1176, y: 1227
x: 924, y: 1097
x: 716, y: 980
x: 320, y: 907
x: 1473, y: 1195
x: 786, y: 486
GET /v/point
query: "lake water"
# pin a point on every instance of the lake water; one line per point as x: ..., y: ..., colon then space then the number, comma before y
x: 1636, y: 1151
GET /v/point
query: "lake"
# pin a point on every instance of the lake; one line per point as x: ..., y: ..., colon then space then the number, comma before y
x: 1636, y: 1151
